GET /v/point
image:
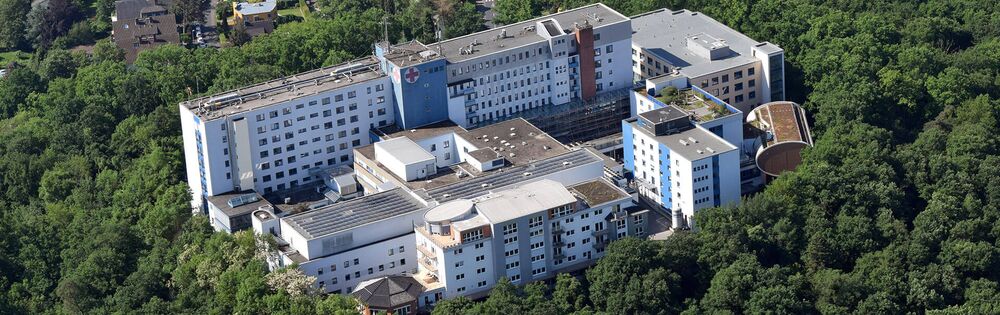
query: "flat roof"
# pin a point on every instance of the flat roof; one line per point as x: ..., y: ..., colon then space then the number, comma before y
x: 538, y: 146
x: 663, y: 114
x: 265, y: 6
x: 423, y: 132
x: 696, y: 104
x: 597, y: 15
x: 285, y: 89
x: 476, y: 185
x: 246, y: 206
x: 349, y: 214
x: 664, y: 33
x: 692, y: 144
x: 517, y: 140
x: 404, y: 150
x: 484, y: 154
x: 597, y: 192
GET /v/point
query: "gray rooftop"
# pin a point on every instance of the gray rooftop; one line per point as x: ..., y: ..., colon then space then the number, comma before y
x: 246, y: 8
x: 404, y: 150
x: 349, y: 214
x: 517, y: 140
x: 508, y: 204
x: 597, y: 15
x: 692, y: 144
x: 285, y: 89
x: 663, y: 114
x: 423, y: 132
x: 388, y: 293
x: 473, y: 186
x: 666, y: 33
x: 248, y: 205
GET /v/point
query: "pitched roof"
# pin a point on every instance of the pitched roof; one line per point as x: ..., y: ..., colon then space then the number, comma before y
x: 388, y: 292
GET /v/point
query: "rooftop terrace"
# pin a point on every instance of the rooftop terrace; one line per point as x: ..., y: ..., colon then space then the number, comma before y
x: 597, y: 192
x: 782, y: 121
x: 691, y: 102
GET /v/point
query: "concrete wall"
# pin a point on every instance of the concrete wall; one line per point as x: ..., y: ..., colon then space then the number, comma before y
x: 375, y: 256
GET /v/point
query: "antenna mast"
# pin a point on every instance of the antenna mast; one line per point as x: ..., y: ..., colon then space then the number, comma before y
x: 439, y: 32
x: 385, y: 26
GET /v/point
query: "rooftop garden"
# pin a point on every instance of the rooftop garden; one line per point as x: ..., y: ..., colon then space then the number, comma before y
x: 692, y: 102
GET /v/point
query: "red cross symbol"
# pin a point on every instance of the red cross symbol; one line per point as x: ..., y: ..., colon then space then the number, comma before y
x: 412, y: 74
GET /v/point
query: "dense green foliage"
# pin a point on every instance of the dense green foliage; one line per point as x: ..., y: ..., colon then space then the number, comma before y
x: 94, y: 214
x: 895, y: 210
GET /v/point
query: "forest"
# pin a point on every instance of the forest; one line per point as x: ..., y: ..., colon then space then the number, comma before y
x: 895, y: 209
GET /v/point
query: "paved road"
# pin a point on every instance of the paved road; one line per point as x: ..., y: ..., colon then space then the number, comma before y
x: 486, y: 8
x: 208, y: 30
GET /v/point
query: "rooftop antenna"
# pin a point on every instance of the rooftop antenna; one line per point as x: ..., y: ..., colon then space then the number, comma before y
x: 385, y: 26
x: 385, y: 33
x: 439, y: 32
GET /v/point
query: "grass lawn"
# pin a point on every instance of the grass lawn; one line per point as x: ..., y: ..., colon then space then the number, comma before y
x: 302, y: 11
x: 19, y: 56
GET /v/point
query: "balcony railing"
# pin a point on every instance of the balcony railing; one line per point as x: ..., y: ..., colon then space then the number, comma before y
x: 426, y: 251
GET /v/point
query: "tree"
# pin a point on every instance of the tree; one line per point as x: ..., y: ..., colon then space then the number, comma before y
x: 190, y: 11
x: 569, y: 295
x: 465, y: 19
x: 454, y: 306
x: 13, y: 22
x: 50, y: 19
x: 15, y: 88
x: 512, y: 11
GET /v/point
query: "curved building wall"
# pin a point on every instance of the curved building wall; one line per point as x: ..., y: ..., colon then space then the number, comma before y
x: 783, y: 132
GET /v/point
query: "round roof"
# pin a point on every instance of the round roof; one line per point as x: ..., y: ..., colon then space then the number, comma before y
x: 449, y: 211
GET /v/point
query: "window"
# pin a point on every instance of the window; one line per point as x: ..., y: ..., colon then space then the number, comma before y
x: 609, y: 49
x: 750, y: 71
x: 510, y: 228
x: 535, y: 222
x: 460, y: 276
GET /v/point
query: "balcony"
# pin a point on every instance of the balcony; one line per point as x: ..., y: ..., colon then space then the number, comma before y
x: 599, y: 233
x: 558, y: 256
x: 464, y: 91
x: 573, y: 64
x: 599, y: 245
x: 426, y: 252
x: 470, y: 102
x: 558, y: 229
x: 428, y: 265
